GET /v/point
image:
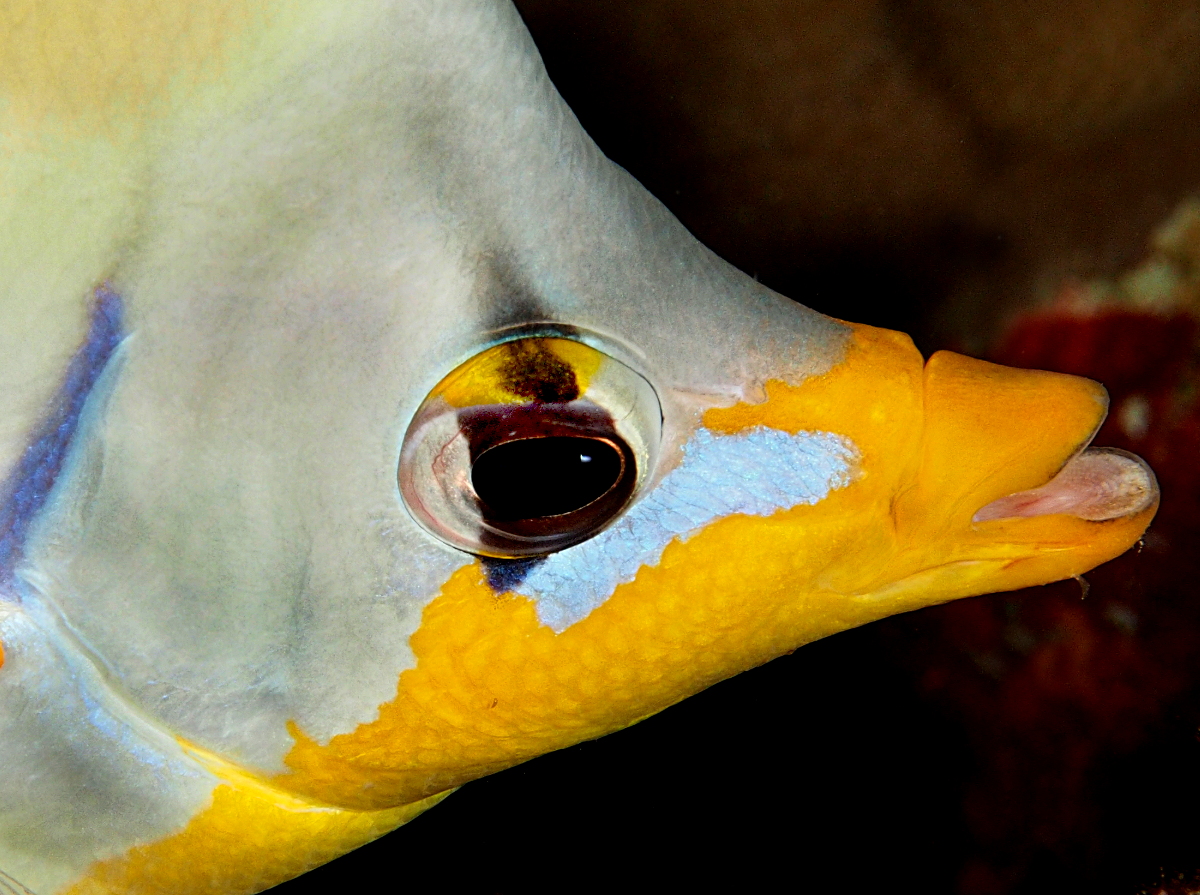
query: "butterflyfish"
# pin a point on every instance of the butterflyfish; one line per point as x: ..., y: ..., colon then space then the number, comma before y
x: 364, y: 431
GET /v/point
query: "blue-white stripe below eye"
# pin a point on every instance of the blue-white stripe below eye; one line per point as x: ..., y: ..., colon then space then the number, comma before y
x: 755, y: 473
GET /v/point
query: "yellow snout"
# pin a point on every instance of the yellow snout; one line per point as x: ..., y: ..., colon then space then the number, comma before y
x: 972, y: 477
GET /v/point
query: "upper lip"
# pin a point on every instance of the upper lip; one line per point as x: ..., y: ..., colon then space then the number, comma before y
x: 1004, y: 450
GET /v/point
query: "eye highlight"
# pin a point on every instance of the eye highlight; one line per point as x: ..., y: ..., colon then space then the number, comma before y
x: 529, y: 447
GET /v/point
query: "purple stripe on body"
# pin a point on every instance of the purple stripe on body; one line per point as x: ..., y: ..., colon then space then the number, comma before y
x: 25, y: 491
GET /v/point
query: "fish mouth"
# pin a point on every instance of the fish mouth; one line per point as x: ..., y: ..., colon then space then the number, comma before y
x: 1096, y: 485
x: 1001, y: 443
x: 1007, y: 491
x: 972, y: 477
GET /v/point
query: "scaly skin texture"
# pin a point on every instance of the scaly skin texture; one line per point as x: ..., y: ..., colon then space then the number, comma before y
x: 493, y: 687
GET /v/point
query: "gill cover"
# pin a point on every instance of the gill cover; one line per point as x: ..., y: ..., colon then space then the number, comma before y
x: 364, y: 431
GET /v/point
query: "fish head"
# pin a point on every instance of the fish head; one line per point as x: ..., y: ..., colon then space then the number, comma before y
x: 878, y: 485
x: 430, y: 442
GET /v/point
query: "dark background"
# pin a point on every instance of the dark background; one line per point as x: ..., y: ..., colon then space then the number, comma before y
x: 938, y: 168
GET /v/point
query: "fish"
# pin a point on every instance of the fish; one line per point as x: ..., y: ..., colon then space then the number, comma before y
x: 365, y: 431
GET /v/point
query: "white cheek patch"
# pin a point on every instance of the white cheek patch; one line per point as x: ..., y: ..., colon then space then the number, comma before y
x: 754, y: 473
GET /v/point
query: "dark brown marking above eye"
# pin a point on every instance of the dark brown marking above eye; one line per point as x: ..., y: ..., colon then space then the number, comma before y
x: 533, y: 371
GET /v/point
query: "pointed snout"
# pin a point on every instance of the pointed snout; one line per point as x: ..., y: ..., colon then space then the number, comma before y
x: 972, y: 477
x: 1007, y: 493
x: 1007, y: 443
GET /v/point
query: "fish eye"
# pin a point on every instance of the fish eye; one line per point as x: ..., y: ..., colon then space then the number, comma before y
x: 531, y: 446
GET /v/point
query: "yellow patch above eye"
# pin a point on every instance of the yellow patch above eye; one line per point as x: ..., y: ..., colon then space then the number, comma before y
x: 493, y: 685
x: 522, y: 371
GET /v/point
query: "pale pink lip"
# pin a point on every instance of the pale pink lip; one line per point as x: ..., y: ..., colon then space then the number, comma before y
x: 1096, y: 485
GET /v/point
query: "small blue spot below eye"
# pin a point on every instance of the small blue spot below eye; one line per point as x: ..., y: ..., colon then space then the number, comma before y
x: 505, y: 574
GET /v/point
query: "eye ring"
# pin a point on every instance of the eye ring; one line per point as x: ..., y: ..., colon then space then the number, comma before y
x: 490, y: 466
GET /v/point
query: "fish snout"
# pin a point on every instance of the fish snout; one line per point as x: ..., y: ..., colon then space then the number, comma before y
x: 1008, y: 492
x: 1001, y: 442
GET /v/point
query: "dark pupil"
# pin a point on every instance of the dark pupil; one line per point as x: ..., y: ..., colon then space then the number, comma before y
x: 537, y: 477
